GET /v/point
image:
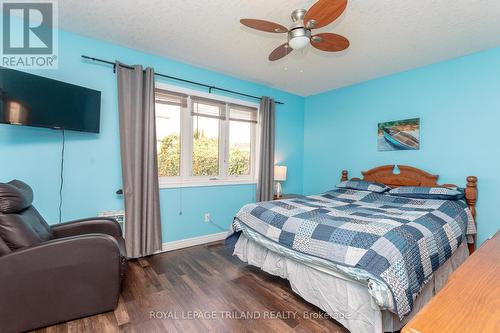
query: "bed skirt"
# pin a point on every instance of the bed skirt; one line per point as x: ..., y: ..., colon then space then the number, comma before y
x: 344, y: 299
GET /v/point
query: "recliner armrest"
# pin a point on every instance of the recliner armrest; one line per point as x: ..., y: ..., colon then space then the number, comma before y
x: 59, y: 280
x: 96, y: 225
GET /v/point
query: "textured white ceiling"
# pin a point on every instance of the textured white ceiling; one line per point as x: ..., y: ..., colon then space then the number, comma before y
x: 387, y: 36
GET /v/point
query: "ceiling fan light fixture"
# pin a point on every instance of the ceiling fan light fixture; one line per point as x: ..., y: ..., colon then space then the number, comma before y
x: 299, y: 38
x: 321, y: 14
x: 297, y: 43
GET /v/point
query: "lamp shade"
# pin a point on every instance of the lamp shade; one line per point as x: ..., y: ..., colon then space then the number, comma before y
x: 279, y: 173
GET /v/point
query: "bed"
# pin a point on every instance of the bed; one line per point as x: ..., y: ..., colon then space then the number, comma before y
x: 369, y: 260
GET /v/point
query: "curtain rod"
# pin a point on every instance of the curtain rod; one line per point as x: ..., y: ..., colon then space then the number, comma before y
x: 210, y: 88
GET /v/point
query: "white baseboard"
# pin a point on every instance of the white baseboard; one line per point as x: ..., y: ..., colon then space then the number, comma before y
x: 183, y: 243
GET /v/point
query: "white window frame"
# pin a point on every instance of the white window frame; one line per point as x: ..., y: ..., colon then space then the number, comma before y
x: 186, y: 179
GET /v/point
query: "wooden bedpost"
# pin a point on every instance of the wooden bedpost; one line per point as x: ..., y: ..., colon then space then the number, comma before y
x: 344, y: 176
x: 471, y: 199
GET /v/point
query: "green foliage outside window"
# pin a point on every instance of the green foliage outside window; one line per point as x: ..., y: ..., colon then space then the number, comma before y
x: 239, y: 161
x: 169, y: 156
x: 205, y: 157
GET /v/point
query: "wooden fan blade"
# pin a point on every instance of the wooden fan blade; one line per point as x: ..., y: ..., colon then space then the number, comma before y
x: 329, y: 42
x: 264, y: 25
x: 324, y: 12
x: 280, y: 52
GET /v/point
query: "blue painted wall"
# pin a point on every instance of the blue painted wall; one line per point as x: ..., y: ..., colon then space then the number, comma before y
x: 92, y: 166
x: 458, y: 102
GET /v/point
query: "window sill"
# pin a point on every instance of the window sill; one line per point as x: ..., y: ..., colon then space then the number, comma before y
x: 206, y: 183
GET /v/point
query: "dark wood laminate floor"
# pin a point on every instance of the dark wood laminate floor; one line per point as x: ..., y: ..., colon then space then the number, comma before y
x: 203, y: 289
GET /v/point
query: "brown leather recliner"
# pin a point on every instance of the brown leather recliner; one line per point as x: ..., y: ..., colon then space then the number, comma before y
x: 52, y: 274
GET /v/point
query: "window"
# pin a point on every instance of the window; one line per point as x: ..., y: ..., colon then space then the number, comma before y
x: 168, y: 132
x: 242, y: 122
x: 204, y: 141
x: 207, y: 116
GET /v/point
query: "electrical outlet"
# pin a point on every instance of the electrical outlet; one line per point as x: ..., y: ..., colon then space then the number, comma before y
x: 207, y: 217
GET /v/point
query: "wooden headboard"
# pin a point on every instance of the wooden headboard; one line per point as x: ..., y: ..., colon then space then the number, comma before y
x: 410, y: 176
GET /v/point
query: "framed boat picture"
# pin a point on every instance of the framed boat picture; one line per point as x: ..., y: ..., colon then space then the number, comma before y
x: 399, y: 135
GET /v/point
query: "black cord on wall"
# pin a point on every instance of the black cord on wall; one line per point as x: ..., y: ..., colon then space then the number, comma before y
x: 62, y: 176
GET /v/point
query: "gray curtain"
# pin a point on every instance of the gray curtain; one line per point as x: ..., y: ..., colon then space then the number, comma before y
x: 265, y: 183
x: 136, y: 103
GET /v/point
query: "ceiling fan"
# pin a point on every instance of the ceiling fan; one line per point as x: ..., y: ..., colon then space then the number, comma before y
x: 300, y: 34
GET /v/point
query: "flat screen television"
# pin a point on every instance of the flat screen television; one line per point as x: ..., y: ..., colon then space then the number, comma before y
x: 31, y: 100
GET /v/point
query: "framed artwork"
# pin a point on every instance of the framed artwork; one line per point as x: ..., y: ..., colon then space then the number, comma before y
x: 399, y: 135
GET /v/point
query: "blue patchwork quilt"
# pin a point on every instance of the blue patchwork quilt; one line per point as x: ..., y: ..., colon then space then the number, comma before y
x: 398, y: 240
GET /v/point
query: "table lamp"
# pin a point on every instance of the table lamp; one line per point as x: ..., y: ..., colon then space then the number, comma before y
x: 279, y: 176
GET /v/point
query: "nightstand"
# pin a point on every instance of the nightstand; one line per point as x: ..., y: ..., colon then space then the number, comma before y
x: 288, y: 196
